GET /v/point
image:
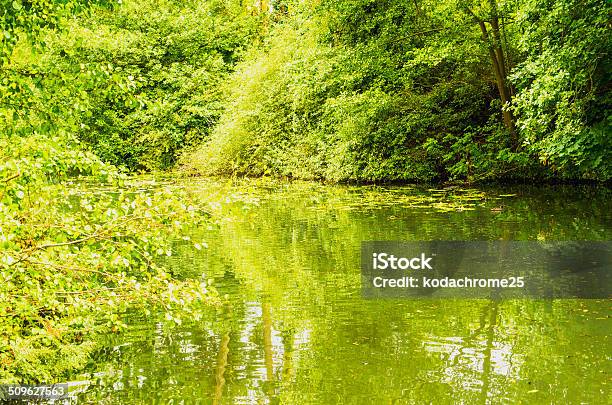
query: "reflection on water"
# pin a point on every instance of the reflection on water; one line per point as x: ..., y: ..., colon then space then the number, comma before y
x: 296, y: 330
x: 473, y: 361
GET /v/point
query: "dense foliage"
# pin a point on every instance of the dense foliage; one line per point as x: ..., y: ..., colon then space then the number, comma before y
x: 336, y: 89
x: 563, y: 101
x: 72, y: 263
x: 394, y: 90
x: 172, y: 56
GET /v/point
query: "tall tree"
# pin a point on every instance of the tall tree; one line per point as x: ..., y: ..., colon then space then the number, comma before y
x: 498, y: 60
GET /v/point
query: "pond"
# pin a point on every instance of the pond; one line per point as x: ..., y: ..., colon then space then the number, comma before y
x: 295, y: 329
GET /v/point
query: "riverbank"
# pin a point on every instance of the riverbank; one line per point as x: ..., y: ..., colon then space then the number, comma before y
x: 185, y: 171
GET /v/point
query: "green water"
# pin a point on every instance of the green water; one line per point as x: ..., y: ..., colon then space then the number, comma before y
x: 296, y: 330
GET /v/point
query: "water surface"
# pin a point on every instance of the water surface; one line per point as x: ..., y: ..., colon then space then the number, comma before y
x: 296, y: 330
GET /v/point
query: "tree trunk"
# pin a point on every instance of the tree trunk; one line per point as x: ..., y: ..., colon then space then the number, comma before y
x: 498, y: 62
